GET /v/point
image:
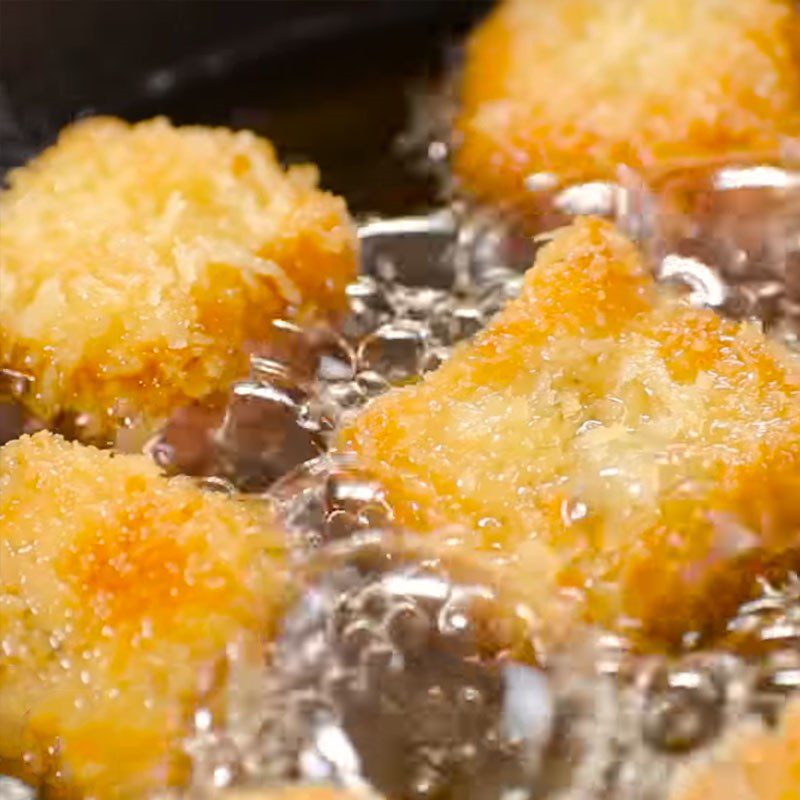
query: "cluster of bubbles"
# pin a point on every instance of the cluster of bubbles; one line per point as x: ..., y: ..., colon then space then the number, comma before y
x: 405, y: 671
x: 732, y: 233
x: 395, y: 671
x: 728, y: 231
x: 427, y: 284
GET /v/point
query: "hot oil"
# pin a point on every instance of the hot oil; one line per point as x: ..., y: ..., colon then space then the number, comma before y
x: 399, y: 667
x: 408, y: 673
x: 358, y: 688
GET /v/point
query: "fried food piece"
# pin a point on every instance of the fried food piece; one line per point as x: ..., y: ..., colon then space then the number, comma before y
x: 602, y: 437
x: 748, y: 765
x: 575, y: 88
x: 139, y: 261
x: 119, y: 592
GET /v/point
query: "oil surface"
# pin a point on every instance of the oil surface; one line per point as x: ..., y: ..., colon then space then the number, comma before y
x: 385, y: 635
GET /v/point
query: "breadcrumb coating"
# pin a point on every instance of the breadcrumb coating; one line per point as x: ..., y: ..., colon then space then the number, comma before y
x: 120, y: 590
x: 606, y: 442
x: 576, y: 88
x: 137, y: 262
x: 750, y: 764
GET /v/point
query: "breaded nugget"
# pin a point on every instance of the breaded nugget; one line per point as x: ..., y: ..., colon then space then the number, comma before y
x: 602, y: 436
x: 138, y: 261
x: 748, y: 765
x: 119, y: 592
x: 576, y: 88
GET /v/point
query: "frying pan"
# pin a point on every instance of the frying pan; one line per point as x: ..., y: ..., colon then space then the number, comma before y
x: 326, y: 80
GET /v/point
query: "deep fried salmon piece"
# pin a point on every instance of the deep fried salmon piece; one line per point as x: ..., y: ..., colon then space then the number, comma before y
x: 576, y: 88
x: 138, y: 262
x: 602, y: 437
x: 120, y: 590
x: 750, y: 764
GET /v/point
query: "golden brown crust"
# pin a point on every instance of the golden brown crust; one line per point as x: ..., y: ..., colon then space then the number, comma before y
x: 138, y: 262
x: 750, y: 764
x: 119, y: 592
x: 603, y: 437
x: 576, y: 88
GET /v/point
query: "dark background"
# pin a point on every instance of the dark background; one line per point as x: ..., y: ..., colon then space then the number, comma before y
x: 327, y: 80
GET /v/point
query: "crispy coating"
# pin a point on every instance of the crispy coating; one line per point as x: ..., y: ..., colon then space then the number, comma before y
x: 750, y: 764
x: 603, y: 438
x: 137, y: 262
x: 576, y: 88
x: 119, y: 592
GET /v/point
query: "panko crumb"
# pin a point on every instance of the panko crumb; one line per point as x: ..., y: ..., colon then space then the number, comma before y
x: 751, y: 763
x: 120, y: 591
x: 138, y: 262
x: 605, y: 442
x: 575, y: 88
